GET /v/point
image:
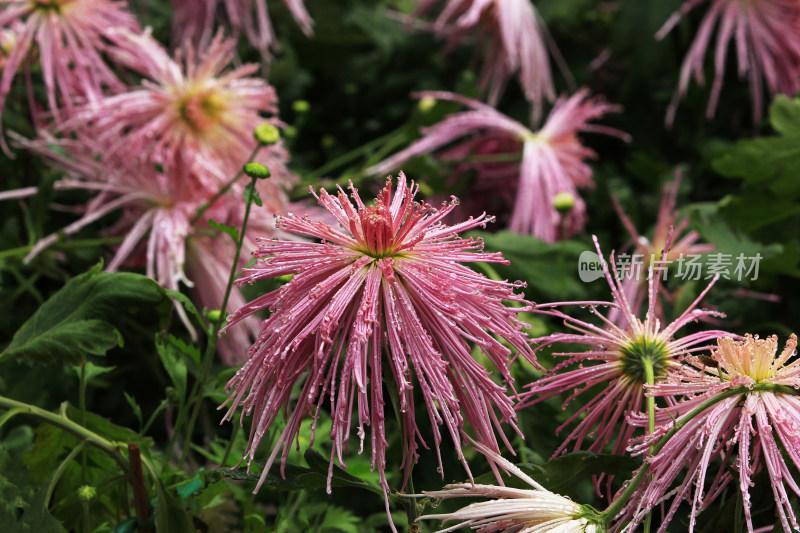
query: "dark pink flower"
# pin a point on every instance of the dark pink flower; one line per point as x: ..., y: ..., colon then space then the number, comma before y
x: 515, y: 43
x: 741, y: 406
x: 194, y: 108
x: 767, y: 47
x: 69, y: 39
x: 193, y: 21
x: 384, y: 296
x: 552, y: 157
x: 617, y: 355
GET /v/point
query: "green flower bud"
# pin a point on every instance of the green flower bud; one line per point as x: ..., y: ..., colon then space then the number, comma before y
x: 86, y: 493
x: 564, y: 202
x: 214, y: 314
x: 301, y: 106
x: 257, y: 171
x: 426, y: 104
x: 266, y: 133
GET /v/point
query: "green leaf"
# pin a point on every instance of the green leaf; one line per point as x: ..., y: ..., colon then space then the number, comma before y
x: 784, y: 115
x: 75, y: 320
x: 137, y: 410
x: 92, y: 370
x: 339, y: 519
x: 173, y: 363
x: 224, y: 228
x: 187, y: 304
x: 170, y: 515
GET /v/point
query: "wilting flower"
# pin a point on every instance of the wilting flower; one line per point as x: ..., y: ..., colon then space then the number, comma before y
x: 160, y: 225
x: 742, y: 395
x: 512, y: 510
x: 516, y: 43
x: 767, y: 46
x: 552, y: 157
x: 193, y: 21
x: 70, y: 38
x: 384, y: 296
x: 192, y: 109
x: 618, y: 356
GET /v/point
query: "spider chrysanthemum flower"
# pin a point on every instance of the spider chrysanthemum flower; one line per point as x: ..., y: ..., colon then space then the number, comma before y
x: 193, y: 108
x: 512, y: 510
x: 384, y: 296
x: 69, y: 38
x: 193, y: 20
x: 516, y: 43
x: 767, y: 43
x: 159, y: 222
x: 617, y: 357
x: 552, y: 157
x: 741, y: 406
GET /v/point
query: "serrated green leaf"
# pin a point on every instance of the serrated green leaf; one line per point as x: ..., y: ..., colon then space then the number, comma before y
x: 339, y: 519
x: 188, y: 305
x: 75, y: 320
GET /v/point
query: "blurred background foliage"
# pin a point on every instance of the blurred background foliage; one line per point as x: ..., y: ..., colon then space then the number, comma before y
x: 345, y: 98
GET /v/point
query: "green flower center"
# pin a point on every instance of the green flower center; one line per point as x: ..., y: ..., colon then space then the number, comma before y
x: 632, y: 358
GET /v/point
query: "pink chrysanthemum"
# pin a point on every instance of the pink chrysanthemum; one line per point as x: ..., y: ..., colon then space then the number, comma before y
x: 669, y: 226
x: 617, y: 357
x: 552, y: 157
x: 767, y: 46
x: 512, y: 510
x: 383, y: 295
x: 516, y: 43
x: 194, y: 20
x: 743, y: 397
x: 160, y: 226
x: 192, y: 109
x: 70, y: 38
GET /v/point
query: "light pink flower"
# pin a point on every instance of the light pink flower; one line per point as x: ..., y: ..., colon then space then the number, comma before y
x: 69, y: 38
x: 515, y: 44
x: 386, y: 288
x: 767, y: 47
x: 616, y: 357
x: 552, y: 157
x: 194, y: 108
x: 193, y: 21
x: 741, y: 406
x: 158, y: 218
x: 512, y: 510
x: 670, y: 226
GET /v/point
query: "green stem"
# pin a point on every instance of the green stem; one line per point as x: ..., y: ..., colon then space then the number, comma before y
x: 225, y: 188
x: 195, y: 398
x: 619, y: 502
x: 651, y: 419
x: 161, y: 407
x: 84, y: 243
x: 312, y: 176
x: 61, y: 421
x: 231, y: 440
x: 60, y: 470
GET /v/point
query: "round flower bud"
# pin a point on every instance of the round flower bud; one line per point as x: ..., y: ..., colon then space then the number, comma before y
x: 266, y: 133
x: 256, y: 170
x: 214, y: 314
x: 301, y: 106
x: 86, y: 493
x: 564, y: 202
x: 426, y: 104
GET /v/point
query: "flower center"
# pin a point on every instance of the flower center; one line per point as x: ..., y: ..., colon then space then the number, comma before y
x: 378, y: 236
x: 640, y: 351
x: 201, y: 110
x: 48, y: 5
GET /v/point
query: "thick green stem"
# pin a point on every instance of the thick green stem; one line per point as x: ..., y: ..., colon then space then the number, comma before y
x: 61, y: 421
x: 619, y: 502
x: 651, y: 419
x: 196, y: 397
x: 84, y: 243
